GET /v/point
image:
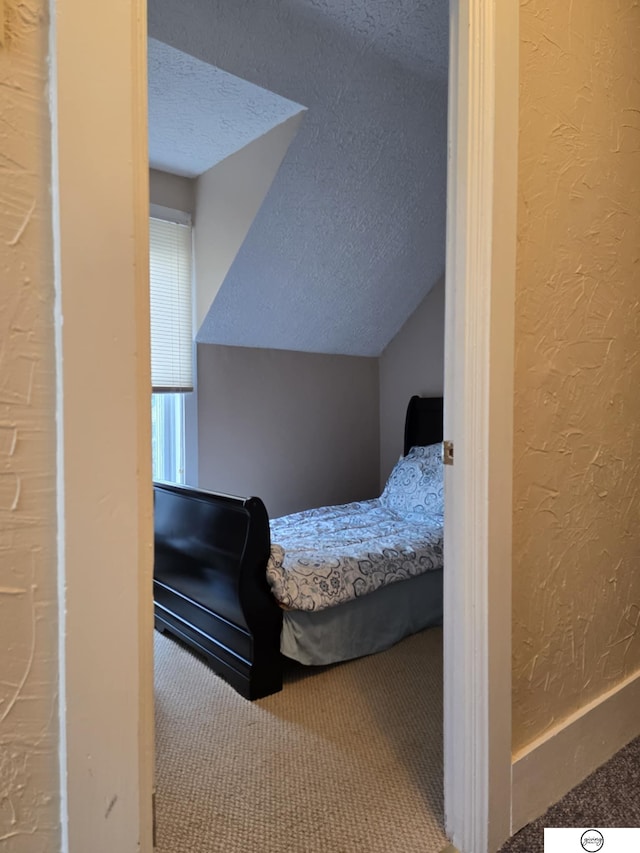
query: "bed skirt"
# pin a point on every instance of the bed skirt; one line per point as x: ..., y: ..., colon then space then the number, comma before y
x: 363, y: 626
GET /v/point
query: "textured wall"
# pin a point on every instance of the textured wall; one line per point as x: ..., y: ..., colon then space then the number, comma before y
x: 413, y: 363
x: 351, y: 235
x: 576, y: 582
x: 296, y: 429
x: 29, y: 800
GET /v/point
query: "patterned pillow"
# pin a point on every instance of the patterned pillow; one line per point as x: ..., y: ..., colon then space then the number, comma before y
x: 415, y: 486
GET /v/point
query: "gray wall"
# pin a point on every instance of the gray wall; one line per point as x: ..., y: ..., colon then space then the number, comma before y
x: 413, y: 363
x: 297, y: 429
x: 352, y: 406
x: 171, y: 191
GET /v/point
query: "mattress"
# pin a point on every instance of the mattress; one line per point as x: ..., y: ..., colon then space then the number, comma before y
x: 324, y: 557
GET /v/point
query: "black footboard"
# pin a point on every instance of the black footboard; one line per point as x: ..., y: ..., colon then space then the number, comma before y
x: 210, y: 587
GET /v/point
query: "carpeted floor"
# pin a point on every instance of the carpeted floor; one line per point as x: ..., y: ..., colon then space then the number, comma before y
x: 609, y: 797
x: 346, y: 759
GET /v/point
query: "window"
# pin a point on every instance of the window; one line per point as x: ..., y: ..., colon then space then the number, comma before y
x: 167, y: 437
x: 170, y: 259
x: 171, y: 285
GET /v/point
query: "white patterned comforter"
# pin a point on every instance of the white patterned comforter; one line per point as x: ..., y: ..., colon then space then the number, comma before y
x: 323, y: 557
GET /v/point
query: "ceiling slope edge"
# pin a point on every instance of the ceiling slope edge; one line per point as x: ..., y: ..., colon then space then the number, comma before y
x: 228, y: 198
x: 200, y: 114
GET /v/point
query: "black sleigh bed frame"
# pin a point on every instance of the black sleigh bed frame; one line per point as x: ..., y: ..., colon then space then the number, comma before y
x: 210, y: 587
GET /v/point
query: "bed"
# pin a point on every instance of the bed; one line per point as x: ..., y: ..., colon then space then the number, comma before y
x: 248, y: 593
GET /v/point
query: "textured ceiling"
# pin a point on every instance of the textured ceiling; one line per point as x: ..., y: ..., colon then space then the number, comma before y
x: 199, y: 114
x: 351, y: 234
x: 413, y: 33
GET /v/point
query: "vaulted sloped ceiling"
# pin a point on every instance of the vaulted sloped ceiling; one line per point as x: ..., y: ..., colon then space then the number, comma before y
x: 199, y: 114
x: 351, y: 234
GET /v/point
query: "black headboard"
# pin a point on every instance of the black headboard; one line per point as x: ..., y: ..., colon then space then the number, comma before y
x: 423, y: 422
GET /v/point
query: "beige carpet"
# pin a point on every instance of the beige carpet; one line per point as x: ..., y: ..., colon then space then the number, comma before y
x: 346, y: 759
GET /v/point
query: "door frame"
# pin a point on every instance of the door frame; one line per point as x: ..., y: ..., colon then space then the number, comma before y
x: 99, y: 181
x: 479, y: 356
x: 97, y: 760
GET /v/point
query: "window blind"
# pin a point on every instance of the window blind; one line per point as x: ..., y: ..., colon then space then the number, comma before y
x: 171, y: 306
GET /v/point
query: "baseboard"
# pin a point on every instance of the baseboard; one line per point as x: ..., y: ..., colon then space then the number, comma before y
x: 546, y: 769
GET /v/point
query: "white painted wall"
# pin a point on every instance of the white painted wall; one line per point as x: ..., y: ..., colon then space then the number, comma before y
x: 227, y: 199
x: 297, y: 429
x: 29, y: 736
x: 413, y: 363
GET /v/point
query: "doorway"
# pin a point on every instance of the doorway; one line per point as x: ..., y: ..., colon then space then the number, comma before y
x: 122, y: 729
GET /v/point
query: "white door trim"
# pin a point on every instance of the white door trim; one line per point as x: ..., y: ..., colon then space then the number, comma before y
x: 100, y: 204
x: 480, y: 286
